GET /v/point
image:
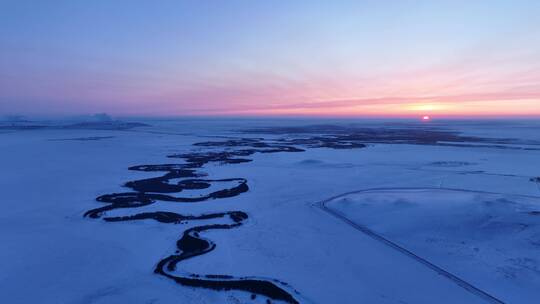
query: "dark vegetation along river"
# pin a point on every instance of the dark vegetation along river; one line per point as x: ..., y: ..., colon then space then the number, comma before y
x: 188, y: 175
x: 191, y: 244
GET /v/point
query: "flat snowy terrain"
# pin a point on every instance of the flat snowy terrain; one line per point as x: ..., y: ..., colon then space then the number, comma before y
x: 489, y: 240
x: 280, y: 211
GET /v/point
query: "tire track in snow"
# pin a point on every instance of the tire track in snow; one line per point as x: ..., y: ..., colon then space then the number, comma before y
x: 372, y: 234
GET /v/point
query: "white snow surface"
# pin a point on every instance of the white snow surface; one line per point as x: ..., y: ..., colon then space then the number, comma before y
x: 52, y: 254
x: 490, y: 240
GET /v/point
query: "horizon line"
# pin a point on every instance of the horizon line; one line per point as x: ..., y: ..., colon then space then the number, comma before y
x: 277, y: 116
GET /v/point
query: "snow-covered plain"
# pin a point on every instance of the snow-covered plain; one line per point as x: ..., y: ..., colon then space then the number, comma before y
x: 490, y: 240
x: 52, y: 176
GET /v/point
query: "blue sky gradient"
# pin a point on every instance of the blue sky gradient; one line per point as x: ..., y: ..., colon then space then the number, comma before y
x: 381, y: 58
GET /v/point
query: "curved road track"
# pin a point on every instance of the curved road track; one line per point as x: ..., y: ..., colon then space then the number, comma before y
x: 374, y: 235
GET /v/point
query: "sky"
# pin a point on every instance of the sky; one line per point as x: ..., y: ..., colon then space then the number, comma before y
x: 290, y: 58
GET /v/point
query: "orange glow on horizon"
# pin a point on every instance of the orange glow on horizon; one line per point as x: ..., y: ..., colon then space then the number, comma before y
x: 525, y: 107
x: 432, y: 107
x: 398, y: 108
